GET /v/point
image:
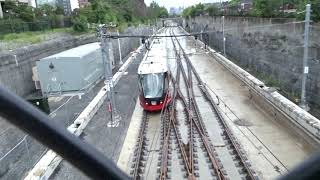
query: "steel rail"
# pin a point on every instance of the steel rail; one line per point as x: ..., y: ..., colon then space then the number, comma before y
x: 188, y: 160
x: 205, y: 141
x: 199, y: 127
x: 220, y: 118
x: 140, y: 147
x: 165, y: 147
x: 167, y: 117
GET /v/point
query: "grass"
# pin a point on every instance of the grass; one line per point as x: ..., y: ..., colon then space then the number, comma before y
x: 33, y: 37
x: 16, y: 40
x: 270, y: 81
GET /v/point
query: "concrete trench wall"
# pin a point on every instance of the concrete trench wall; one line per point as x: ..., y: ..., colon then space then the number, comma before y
x: 262, y: 46
x: 18, y: 78
x: 302, y: 123
x: 16, y: 66
x: 283, y: 110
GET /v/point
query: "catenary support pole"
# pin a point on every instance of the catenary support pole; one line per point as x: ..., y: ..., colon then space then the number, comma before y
x: 107, y: 56
x: 224, y: 38
x: 305, y: 70
x: 119, y: 46
x: 1, y: 11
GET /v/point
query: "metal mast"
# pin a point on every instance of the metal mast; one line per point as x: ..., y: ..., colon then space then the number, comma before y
x: 305, y: 70
x: 107, y: 56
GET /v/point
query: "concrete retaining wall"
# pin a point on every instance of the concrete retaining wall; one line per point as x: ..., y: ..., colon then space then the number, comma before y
x: 16, y: 66
x: 17, y: 159
x: 269, y: 47
x: 302, y: 119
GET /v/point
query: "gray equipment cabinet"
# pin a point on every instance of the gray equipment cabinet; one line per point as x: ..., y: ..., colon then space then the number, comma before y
x: 71, y: 72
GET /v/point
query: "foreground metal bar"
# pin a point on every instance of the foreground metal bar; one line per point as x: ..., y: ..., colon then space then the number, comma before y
x: 38, y: 125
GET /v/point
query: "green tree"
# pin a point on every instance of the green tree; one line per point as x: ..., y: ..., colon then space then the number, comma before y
x: 155, y: 11
x: 212, y: 10
x: 59, y: 10
x: 80, y: 24
x: 48, y: 10
x: 163, y: 13
x: 194, y: 11
x: 315, y: 7
x: 235, y: 2
x: 266, y: 8
x: 25, y: 13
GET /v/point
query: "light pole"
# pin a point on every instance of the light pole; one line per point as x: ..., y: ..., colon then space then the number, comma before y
x: 305, y: 70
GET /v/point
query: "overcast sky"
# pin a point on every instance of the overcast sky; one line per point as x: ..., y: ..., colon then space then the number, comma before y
x: 179, y: 3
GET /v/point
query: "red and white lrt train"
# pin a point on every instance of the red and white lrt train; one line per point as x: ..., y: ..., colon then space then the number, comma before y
x: 154, y: 82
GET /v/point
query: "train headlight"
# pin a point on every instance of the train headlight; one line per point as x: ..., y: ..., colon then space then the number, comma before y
x: 147, y: 103
x: 160, y: 102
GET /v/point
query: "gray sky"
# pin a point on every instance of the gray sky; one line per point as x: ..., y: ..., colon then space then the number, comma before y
x: 179, y: 3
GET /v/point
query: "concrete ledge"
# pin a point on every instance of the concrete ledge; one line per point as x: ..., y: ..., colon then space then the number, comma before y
x: 131, y: 139
x: 304, y: 120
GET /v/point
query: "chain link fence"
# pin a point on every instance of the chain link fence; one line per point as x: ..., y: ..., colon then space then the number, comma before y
x: 17, y: 26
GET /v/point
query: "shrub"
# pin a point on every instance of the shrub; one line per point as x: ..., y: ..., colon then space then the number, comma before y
x: 80, y: 24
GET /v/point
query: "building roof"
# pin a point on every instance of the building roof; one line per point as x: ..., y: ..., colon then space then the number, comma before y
x: 79, y: 51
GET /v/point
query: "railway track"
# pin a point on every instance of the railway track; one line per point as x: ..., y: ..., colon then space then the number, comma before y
x: 191, y: 145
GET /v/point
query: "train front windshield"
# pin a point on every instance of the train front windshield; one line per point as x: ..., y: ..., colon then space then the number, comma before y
x: 152, y: 85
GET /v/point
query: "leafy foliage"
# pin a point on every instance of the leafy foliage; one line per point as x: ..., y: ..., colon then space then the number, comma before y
x: 260, y: 8
x: 155, y: 11
x: 106, y: 11
x: 235, y: 2
x: 194, y: 11
x: 212, y: 10
x: 315, y: 7
x: 266, y: 8
x: 80, y: 24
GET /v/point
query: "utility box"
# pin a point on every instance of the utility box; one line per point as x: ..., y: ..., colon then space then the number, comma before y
x: 71, y: 72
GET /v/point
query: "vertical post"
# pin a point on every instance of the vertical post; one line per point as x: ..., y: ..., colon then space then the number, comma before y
x: 107, y: 64
x: 119, y: 46
x: 1, y: 11
x: 224, y: 38
x: 11, y: 28
x: 305, y: 70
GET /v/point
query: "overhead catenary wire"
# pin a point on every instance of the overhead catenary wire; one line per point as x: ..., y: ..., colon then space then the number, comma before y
x: 115, y: 36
